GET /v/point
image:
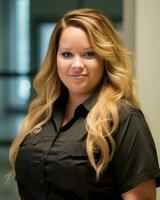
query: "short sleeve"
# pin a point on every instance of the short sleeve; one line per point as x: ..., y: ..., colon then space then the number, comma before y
x: 135, y: 159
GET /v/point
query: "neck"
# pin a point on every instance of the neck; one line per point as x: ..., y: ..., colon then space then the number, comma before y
x: 75, y: 100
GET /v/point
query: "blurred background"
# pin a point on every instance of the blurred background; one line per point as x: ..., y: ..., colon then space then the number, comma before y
x: 25, y: 28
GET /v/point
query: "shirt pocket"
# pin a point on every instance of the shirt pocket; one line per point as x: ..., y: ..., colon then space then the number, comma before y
x: 79, y: 158
x: 76, y: 150
x: 25, y: 152
x: 85, y: 174
x: 31, y: 139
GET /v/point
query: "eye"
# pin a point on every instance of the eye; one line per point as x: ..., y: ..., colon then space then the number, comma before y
x: 89, y: 54
x: 66, y: 54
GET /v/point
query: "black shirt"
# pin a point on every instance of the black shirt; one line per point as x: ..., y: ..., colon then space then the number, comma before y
x: 53, y: 164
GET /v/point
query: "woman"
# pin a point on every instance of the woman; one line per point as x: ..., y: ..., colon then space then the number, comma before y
x: 85, y: 136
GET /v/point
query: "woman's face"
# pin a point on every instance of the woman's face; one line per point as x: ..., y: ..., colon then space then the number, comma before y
x: 79, y: 67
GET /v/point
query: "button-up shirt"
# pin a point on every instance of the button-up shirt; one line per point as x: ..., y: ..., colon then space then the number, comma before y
x: 53, y: 164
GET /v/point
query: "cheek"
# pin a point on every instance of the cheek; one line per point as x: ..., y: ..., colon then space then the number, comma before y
x: 59, y: 63
x: 99, y: 74
x: 60, y: 66
x: 97, y: 70
x: 62, y: 70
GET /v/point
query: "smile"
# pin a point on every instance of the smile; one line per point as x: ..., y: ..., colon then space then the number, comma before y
x: 77, y: 76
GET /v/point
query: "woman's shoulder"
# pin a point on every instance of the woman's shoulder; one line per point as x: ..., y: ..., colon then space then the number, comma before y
x: 126, y: 111
x: 132, y: 126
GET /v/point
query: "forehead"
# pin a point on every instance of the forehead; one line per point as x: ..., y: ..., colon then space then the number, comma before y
x: 73, y: 36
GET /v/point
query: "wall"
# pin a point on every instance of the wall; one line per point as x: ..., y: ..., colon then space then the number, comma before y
x: 147, y: 58
x: 142, y: 37
x: 142, y: 17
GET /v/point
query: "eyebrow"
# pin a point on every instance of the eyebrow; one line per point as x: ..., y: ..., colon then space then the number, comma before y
x: 88, y: 48
x: 65, y: 48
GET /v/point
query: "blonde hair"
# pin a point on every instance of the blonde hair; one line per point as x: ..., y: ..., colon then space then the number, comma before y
x: 117, y: 87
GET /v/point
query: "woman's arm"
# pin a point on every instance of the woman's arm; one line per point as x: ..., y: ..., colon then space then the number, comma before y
x: 143, y: 191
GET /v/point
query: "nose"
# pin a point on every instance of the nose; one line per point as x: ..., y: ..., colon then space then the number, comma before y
x: 77, y: 63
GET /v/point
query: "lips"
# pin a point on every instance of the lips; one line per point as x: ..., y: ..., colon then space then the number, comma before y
x: 77, y: 76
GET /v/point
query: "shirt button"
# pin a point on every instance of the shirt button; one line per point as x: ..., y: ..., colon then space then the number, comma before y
x: 44, y: 156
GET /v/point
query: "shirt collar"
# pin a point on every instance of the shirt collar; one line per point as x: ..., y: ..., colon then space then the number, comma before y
x: 90, y: 101
x: 81, y: 110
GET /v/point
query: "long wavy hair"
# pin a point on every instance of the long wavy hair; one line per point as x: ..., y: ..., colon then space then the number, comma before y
x: 117, y: 86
